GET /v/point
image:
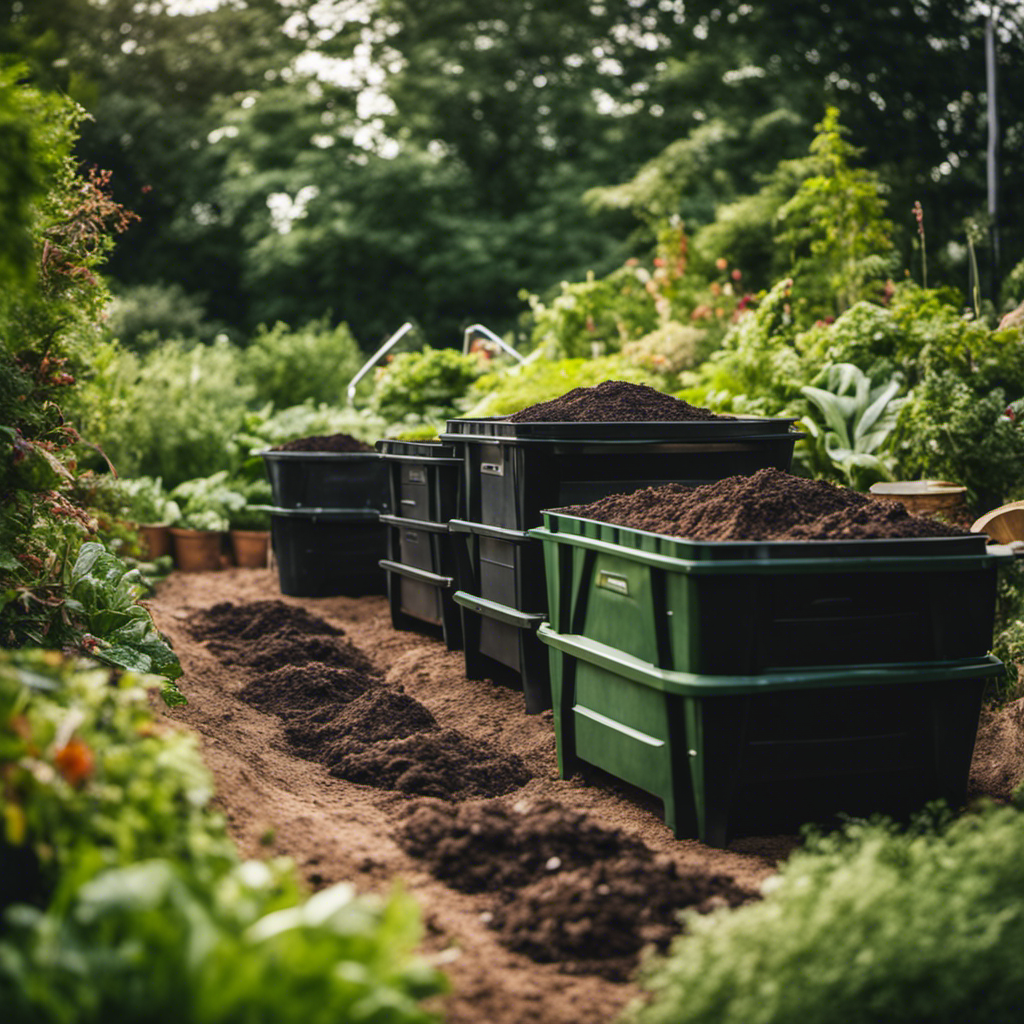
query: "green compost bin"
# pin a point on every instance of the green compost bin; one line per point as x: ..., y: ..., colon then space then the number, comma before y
x: 741, y: 607
x: 763, y: 754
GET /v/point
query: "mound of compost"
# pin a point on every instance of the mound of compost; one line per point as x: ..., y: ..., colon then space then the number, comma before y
x: 310, y: 694
x: 375, y: 716
x: 614, y: 401
x: 289, y: 646
x: 596, y: 919
x: 768, y: 505
x: 324, y: 443
x: 230, y: 621
x: 567, y: 891
x: 445, y: 764
x: 491, y: 846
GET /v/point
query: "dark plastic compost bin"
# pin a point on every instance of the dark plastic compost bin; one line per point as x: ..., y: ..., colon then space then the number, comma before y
x: 747, y: 607
x: 765, y: 753
x: 511, y: 471
x: 322, y: 552
x: 425, y: 486
x: 514, y: 470
x: 337, y: 480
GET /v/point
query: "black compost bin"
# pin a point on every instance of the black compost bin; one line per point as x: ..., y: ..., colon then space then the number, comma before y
x: 321, y: 552
x: 334, y: 480
x: 511, y: 471
x: 425, y: 487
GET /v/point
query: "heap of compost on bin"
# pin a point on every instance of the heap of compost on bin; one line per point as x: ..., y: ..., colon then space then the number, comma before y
x: 614, y: 401
x: 324, y: 443
x: 768, y: 505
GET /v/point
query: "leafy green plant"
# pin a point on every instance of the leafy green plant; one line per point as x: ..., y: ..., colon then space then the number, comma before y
x: 148, y: 942
x: 858, y: 421
x: 835, y: 227
x: 426, y: 385
x: 102, y: 601
x: 146, y: 501
x: 170, y: 413
x: 947, y: 430
x: 122, y: 897
x: 873, y: 924
x: 88, y: 780
x: 208, y: 503
x: 313, y: 363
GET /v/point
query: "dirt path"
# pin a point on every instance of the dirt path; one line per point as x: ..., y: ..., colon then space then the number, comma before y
x: 278, y: 803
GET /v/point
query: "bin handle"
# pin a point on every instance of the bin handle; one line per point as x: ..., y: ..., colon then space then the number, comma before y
x: 368, y: 365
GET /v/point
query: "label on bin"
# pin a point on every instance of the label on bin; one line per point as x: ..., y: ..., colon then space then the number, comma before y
x: 609, y: 581
x: 493, y: 468
x: 417, y: 476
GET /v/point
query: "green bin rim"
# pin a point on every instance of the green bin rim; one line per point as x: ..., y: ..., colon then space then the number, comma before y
x: 691, y: 684
x: 970, y: 551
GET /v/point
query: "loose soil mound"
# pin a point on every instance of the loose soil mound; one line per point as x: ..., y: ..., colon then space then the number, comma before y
x: 566, y: 890
x: 614, y: 401
x: 291, y: 647
x: 448, y: 765
x: 337, y: 711
x: 313, y: 692
x: 489, y: 846
x: 324, y: 443
x: 230, y: 621
x: 769, y: 505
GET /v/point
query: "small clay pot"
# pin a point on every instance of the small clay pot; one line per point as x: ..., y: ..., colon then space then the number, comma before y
x: 155, y: 540
x: 251, y: 548
x: 196, y: 550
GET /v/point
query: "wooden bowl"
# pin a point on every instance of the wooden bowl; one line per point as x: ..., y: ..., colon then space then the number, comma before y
x: 922, y: 496
x: 1004, y: 524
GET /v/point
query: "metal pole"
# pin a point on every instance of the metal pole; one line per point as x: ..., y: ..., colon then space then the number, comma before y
x: 993, y: 145
x: 368, y: 365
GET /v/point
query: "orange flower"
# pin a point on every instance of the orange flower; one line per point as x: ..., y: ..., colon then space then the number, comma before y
x: 75, y: 761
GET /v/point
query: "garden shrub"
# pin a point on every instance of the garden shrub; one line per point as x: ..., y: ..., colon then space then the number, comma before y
x: 313, y: 363
x: 170, y: 413
x: 870, y: 925
x: 143, y: 316
x: 423, y: 386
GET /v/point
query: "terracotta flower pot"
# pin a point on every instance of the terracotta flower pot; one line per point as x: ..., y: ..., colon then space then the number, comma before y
x: 155, y: 540
x: 196, y: 550
x: 251, y: 548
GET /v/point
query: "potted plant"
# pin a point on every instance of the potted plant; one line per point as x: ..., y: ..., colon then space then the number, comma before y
x: 207, y: 504
x: 250, y: 525
x: 152, y: 510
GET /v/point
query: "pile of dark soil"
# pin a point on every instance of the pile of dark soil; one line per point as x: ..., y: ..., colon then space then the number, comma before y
x: 614, y: 401
x: 324, y: 443
x: 288, y: 646
x: 445, y: 764
x: 567, y: 891
x: 230, y: 621
x: 337, y: 711
x: 769, y: 505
